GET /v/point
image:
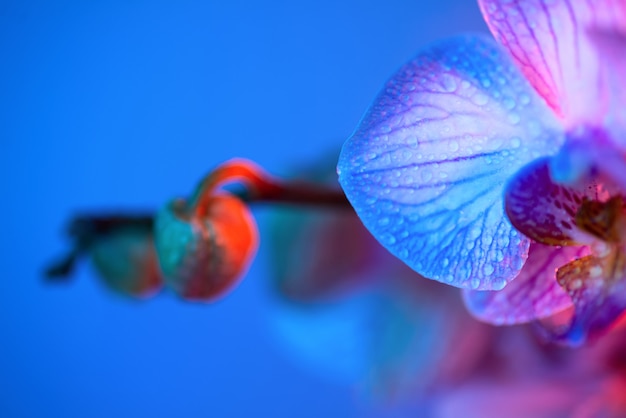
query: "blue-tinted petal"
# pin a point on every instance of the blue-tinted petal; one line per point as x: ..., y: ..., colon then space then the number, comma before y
x: 426, y: 168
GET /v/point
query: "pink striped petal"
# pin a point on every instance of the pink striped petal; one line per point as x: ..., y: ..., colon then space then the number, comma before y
x: 612, y: 47
x: 549, y: 41
x: 533, y: 294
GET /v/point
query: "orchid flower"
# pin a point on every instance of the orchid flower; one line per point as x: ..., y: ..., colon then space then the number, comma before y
x: 471, y: 124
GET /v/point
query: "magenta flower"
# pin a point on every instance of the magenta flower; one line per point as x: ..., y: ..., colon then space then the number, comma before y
x: 535, y: 124
x: 521, y: 379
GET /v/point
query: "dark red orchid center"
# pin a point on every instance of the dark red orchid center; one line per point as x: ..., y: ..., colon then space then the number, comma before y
x: 604, y: 220
x: 589, y: 215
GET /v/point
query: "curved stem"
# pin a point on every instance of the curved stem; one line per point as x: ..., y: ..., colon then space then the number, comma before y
x: 262, y: 187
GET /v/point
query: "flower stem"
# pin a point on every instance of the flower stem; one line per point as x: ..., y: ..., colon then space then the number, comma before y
x: 260, y: 187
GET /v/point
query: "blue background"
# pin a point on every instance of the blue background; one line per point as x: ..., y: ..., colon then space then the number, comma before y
x: 125, y: 104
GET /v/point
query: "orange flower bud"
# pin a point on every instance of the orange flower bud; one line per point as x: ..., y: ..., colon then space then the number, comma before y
x: 204, y: 253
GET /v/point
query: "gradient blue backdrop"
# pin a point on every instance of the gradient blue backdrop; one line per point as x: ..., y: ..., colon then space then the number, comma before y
x: 126, y: 103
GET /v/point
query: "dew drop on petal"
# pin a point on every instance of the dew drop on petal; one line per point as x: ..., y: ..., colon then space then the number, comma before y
x: 448, y: 83
x: 488, y: 269
x: 411, y: 141
x: 480, y: 99
x: 513, y: 118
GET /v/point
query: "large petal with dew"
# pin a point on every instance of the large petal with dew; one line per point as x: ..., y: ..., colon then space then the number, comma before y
x: 534, y: 293
x: 427, y: 166
x: 549, y: 40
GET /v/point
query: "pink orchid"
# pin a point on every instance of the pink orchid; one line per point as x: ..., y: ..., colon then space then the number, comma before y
x: 572, y: 201
x: 472, y: 142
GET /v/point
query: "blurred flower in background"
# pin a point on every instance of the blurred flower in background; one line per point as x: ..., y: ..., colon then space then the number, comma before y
x: 362, y: 318
x: 523, y: 377
x: 349, y: 310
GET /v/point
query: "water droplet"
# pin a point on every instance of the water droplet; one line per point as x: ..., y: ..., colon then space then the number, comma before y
x: 480, y: 99
x: 513, y: 118
x: 474, y: 233
x: 411, y: 141
x: 426, y: 175
x: 524, y: 99
x: 448, y: 83
x: 498, y: 284
x: 453, y: 145
x: 488, y: 269
x: 388, y: 239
